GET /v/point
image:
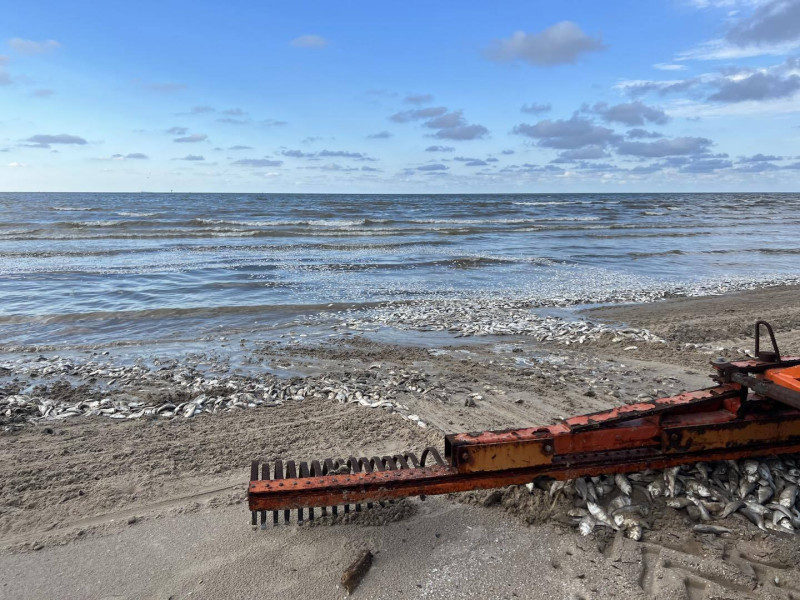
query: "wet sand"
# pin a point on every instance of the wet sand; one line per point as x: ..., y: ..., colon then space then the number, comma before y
x: 152, y: 508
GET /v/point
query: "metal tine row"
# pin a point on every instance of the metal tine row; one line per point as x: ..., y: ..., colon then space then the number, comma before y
x: 329, y: 466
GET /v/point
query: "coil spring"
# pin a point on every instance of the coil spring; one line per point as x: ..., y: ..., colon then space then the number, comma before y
x: 331, y: 466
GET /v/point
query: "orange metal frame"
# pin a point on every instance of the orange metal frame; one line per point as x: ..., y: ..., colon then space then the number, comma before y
x: 727, y: 421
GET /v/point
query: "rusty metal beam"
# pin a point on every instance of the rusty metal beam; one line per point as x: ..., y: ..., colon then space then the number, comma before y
x: 681, y: 439
x: 755, y: 410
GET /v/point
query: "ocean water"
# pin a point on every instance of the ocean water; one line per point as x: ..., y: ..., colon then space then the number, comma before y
x: 94, y: 269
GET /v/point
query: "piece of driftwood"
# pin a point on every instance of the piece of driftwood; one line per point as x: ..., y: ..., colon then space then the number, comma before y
x: 353, y: 574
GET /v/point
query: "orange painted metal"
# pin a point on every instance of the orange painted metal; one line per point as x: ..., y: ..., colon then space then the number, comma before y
x: 755, y: 410
x: 673, y: 431
x: 683, y: 440
x: 788, y: 377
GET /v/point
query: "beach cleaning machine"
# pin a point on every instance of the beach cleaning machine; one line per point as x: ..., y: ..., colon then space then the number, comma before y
x: 753, y: 410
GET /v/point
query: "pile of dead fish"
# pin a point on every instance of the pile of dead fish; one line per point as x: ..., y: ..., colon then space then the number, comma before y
x: 133, y: 392
x: 763, y: 491
x: 480, y: 318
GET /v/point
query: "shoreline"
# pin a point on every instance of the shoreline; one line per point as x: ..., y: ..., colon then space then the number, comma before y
x: 80, y: 485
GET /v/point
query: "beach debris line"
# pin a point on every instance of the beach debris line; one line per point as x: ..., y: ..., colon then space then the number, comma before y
x: 135, y: 392
x: 763, y: 491
x: 465, y: 318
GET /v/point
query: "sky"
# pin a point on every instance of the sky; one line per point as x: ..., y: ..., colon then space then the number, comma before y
x: 413, y: 97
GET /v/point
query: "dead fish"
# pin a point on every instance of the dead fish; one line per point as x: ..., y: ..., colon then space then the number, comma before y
x: 634, y: 532
x: 586, y: 525
x: 764, y: 493
x: 733, y: 476
x: 556, y: 487
x: 626, y: 521
x: 764, y: 473
x: 623, y: 484
x: 755, y: 518
x: 657, y: 488
x: 774, y: 527
x: 671, y: 476
x: 577, y: 513
x: 746, y: 487
x: 786, y: 525
x: 715, y: 529
x: 731, y: 507
x: 701, y: 469
x: 788, y: 496
x: 634, y: 509
x: 619, y: 502
x: 750, y: 466
x: 755, y: 507
x: 697, y: 488
x: 582, y: 488
x: 603, y: 485
x: 704, y: 514
x: 600, y: 515
x: 678, y: 503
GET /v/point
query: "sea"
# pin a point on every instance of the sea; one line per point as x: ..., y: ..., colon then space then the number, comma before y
x: 104, y: 270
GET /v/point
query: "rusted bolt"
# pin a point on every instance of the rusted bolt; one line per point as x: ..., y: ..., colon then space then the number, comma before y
x: 548, y: 449
x: 465, y: 456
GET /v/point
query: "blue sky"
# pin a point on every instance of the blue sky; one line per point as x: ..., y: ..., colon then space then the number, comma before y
x: 694, y: 95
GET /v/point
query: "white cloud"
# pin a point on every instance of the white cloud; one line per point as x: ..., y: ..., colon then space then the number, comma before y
x: 772, y: 28
x: 669, y: 67
x: 309, y: 41
x: 166, y: 87
x: 191, y: 139
x: 32, y: 47
x: 16, y: 165
x: 722, y: 50
x: 563, y: 43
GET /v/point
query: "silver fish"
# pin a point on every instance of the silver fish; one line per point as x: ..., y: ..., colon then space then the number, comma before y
x: 634, y: 509
x: 556, y: 487
x: 587, y: 524
x: 701, y: 469
x: 582, y: 488
x: 678, y: 503
x: 786, y: 525
x: 755, y: 507
x: 600, y: 515
x: 764, y: 473
x: 697, y: 488
x: 624, y: 521
x: 788, y: 496
x: 657, y: 488
x: 704, y: 514
x: 670, y: 476
x: 731, y: 507
x: 715, y: 529
x: 623, y: 484
x: 634, y: 532
x: 756, y: 518
x: 619, y: 502
x: 745, y: 487
x: 764, y: 493
x: 577, y: 513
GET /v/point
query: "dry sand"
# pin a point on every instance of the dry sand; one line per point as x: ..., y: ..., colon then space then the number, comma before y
x: 92, y: 508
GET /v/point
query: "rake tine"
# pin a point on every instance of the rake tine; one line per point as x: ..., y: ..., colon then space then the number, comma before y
x: 278, y: 475
x: 264, y: 475
x: 254, y: 476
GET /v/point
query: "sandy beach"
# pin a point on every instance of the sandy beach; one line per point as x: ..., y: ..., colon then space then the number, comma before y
x: 155, y: 507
